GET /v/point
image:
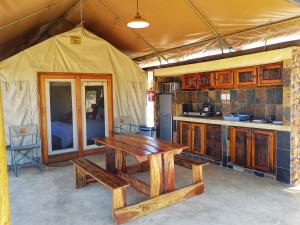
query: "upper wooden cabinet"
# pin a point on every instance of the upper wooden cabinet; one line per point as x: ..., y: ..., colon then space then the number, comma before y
x: 270, y: 74
x: 189, y: 81
x: 246, y: 76
x: 224, y: 79
x: 205, y: 80
x: 263, y: 148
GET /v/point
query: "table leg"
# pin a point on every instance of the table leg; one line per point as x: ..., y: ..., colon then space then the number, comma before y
x: 110, y: 160
x: 120, y: 161
x: 169, y: 183
x: 155, y: 166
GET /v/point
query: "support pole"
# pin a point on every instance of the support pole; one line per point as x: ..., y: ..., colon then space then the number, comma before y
x: 4, y: 199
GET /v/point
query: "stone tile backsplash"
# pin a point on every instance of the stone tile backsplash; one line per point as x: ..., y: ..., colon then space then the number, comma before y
x: 258, y: 102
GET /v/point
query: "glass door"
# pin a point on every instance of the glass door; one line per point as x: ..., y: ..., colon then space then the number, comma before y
x: 94, y: 111
x: 61, y: 116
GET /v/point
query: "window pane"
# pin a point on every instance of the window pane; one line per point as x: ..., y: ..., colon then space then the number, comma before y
x: 61, y: 115
x: 94, y: 112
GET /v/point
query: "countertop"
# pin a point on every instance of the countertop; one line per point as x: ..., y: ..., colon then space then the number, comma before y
x: 221, y: 121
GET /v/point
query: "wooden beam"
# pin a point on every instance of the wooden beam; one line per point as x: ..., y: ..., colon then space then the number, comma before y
x: 110, y: 160
x: 168, y: 164
x: 135, y: 183
x: 138, y: 167
x: 197, y: 173
x: 156, y: 182
x: 120, y: 161
x: 80, y: 177
x: 4, y: 198
x: 153, y: 204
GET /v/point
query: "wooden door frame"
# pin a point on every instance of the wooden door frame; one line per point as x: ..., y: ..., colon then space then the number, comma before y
x: 42, y: 76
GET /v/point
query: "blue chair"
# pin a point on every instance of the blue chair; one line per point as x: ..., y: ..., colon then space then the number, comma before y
x: 24, y: 146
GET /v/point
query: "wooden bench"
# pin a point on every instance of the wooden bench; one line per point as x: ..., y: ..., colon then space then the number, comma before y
x: 193, y: 164
x: 87, y: 171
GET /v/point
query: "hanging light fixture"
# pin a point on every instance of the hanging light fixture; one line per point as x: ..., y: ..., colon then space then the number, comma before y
x: 138, y: 21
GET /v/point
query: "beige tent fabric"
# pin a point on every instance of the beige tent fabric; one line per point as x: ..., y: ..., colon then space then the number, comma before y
x: 173, y: 23
x: 18, y: 75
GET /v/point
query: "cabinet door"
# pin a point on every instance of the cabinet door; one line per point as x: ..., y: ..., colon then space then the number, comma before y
x: 240, y: 146
x: 198, y: 138
x: 263, y: 146
x: 204, y: 80
x: 189, y: 81
x: 224, y: 79
x: 185, y: 133
x: 213, y: 141
x: 270, y: 74
x: 246, y: 76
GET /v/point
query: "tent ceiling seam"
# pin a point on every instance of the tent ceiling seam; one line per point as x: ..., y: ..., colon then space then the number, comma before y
x: 226, y: 35
x: 54, y: 23
x: 208, y: 23
x: 136, y: 33
x: 30, y: 15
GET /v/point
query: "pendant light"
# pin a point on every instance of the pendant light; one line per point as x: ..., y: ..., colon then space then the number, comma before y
x: 138, y: 21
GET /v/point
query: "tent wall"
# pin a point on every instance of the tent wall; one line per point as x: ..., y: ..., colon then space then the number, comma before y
x: 18, y: 75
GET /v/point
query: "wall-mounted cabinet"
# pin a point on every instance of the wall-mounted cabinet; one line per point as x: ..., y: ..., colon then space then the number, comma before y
x: 189, y: 81
x: 203, y: 139
x: 246, y: 76
x: 264, y: 75
x: 224, y: 79
x: 205, y: 80
x: 252, y: 148
x: 270, y: 74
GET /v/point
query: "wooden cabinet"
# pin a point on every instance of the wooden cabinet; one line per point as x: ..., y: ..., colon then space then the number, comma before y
x: 185, y: 133
x: 213, y: 146
x: 252, y: 148
x: 198, y: 138
x: 224, y: 79
x: 270, y: 74
x: 263, y: 146
x: 204, y: 80
x: 240, y: 146
x: 203, y: 139
x: 246, y: 76
x: 189, y: 81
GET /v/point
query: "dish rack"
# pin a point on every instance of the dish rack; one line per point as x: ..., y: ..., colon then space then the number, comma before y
x: 236, y: 117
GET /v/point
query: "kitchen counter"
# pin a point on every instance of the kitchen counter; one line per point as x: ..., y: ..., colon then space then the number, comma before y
x: 221, y: 121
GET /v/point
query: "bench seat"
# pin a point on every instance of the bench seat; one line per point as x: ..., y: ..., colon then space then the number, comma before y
x: 187, y: 162
x: 101, y: 175
x: 193, y: 164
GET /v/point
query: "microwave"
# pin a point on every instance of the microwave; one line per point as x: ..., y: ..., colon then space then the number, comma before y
x: 171, y: 87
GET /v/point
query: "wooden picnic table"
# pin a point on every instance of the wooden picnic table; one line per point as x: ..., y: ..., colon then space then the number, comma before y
x: 157, y: 156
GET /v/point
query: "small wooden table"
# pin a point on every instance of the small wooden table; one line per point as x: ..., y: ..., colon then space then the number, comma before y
x: 154, y: 155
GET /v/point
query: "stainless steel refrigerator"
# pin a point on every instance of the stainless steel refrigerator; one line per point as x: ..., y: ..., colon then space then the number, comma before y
x: 165, y: 116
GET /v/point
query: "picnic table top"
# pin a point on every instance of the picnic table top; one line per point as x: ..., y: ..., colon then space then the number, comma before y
x: 139, y: 145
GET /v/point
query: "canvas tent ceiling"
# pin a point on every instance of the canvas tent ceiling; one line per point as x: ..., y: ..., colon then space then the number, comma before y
x: 179, y: 30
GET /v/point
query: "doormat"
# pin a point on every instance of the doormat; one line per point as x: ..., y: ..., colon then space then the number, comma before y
x: 61, y: 164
